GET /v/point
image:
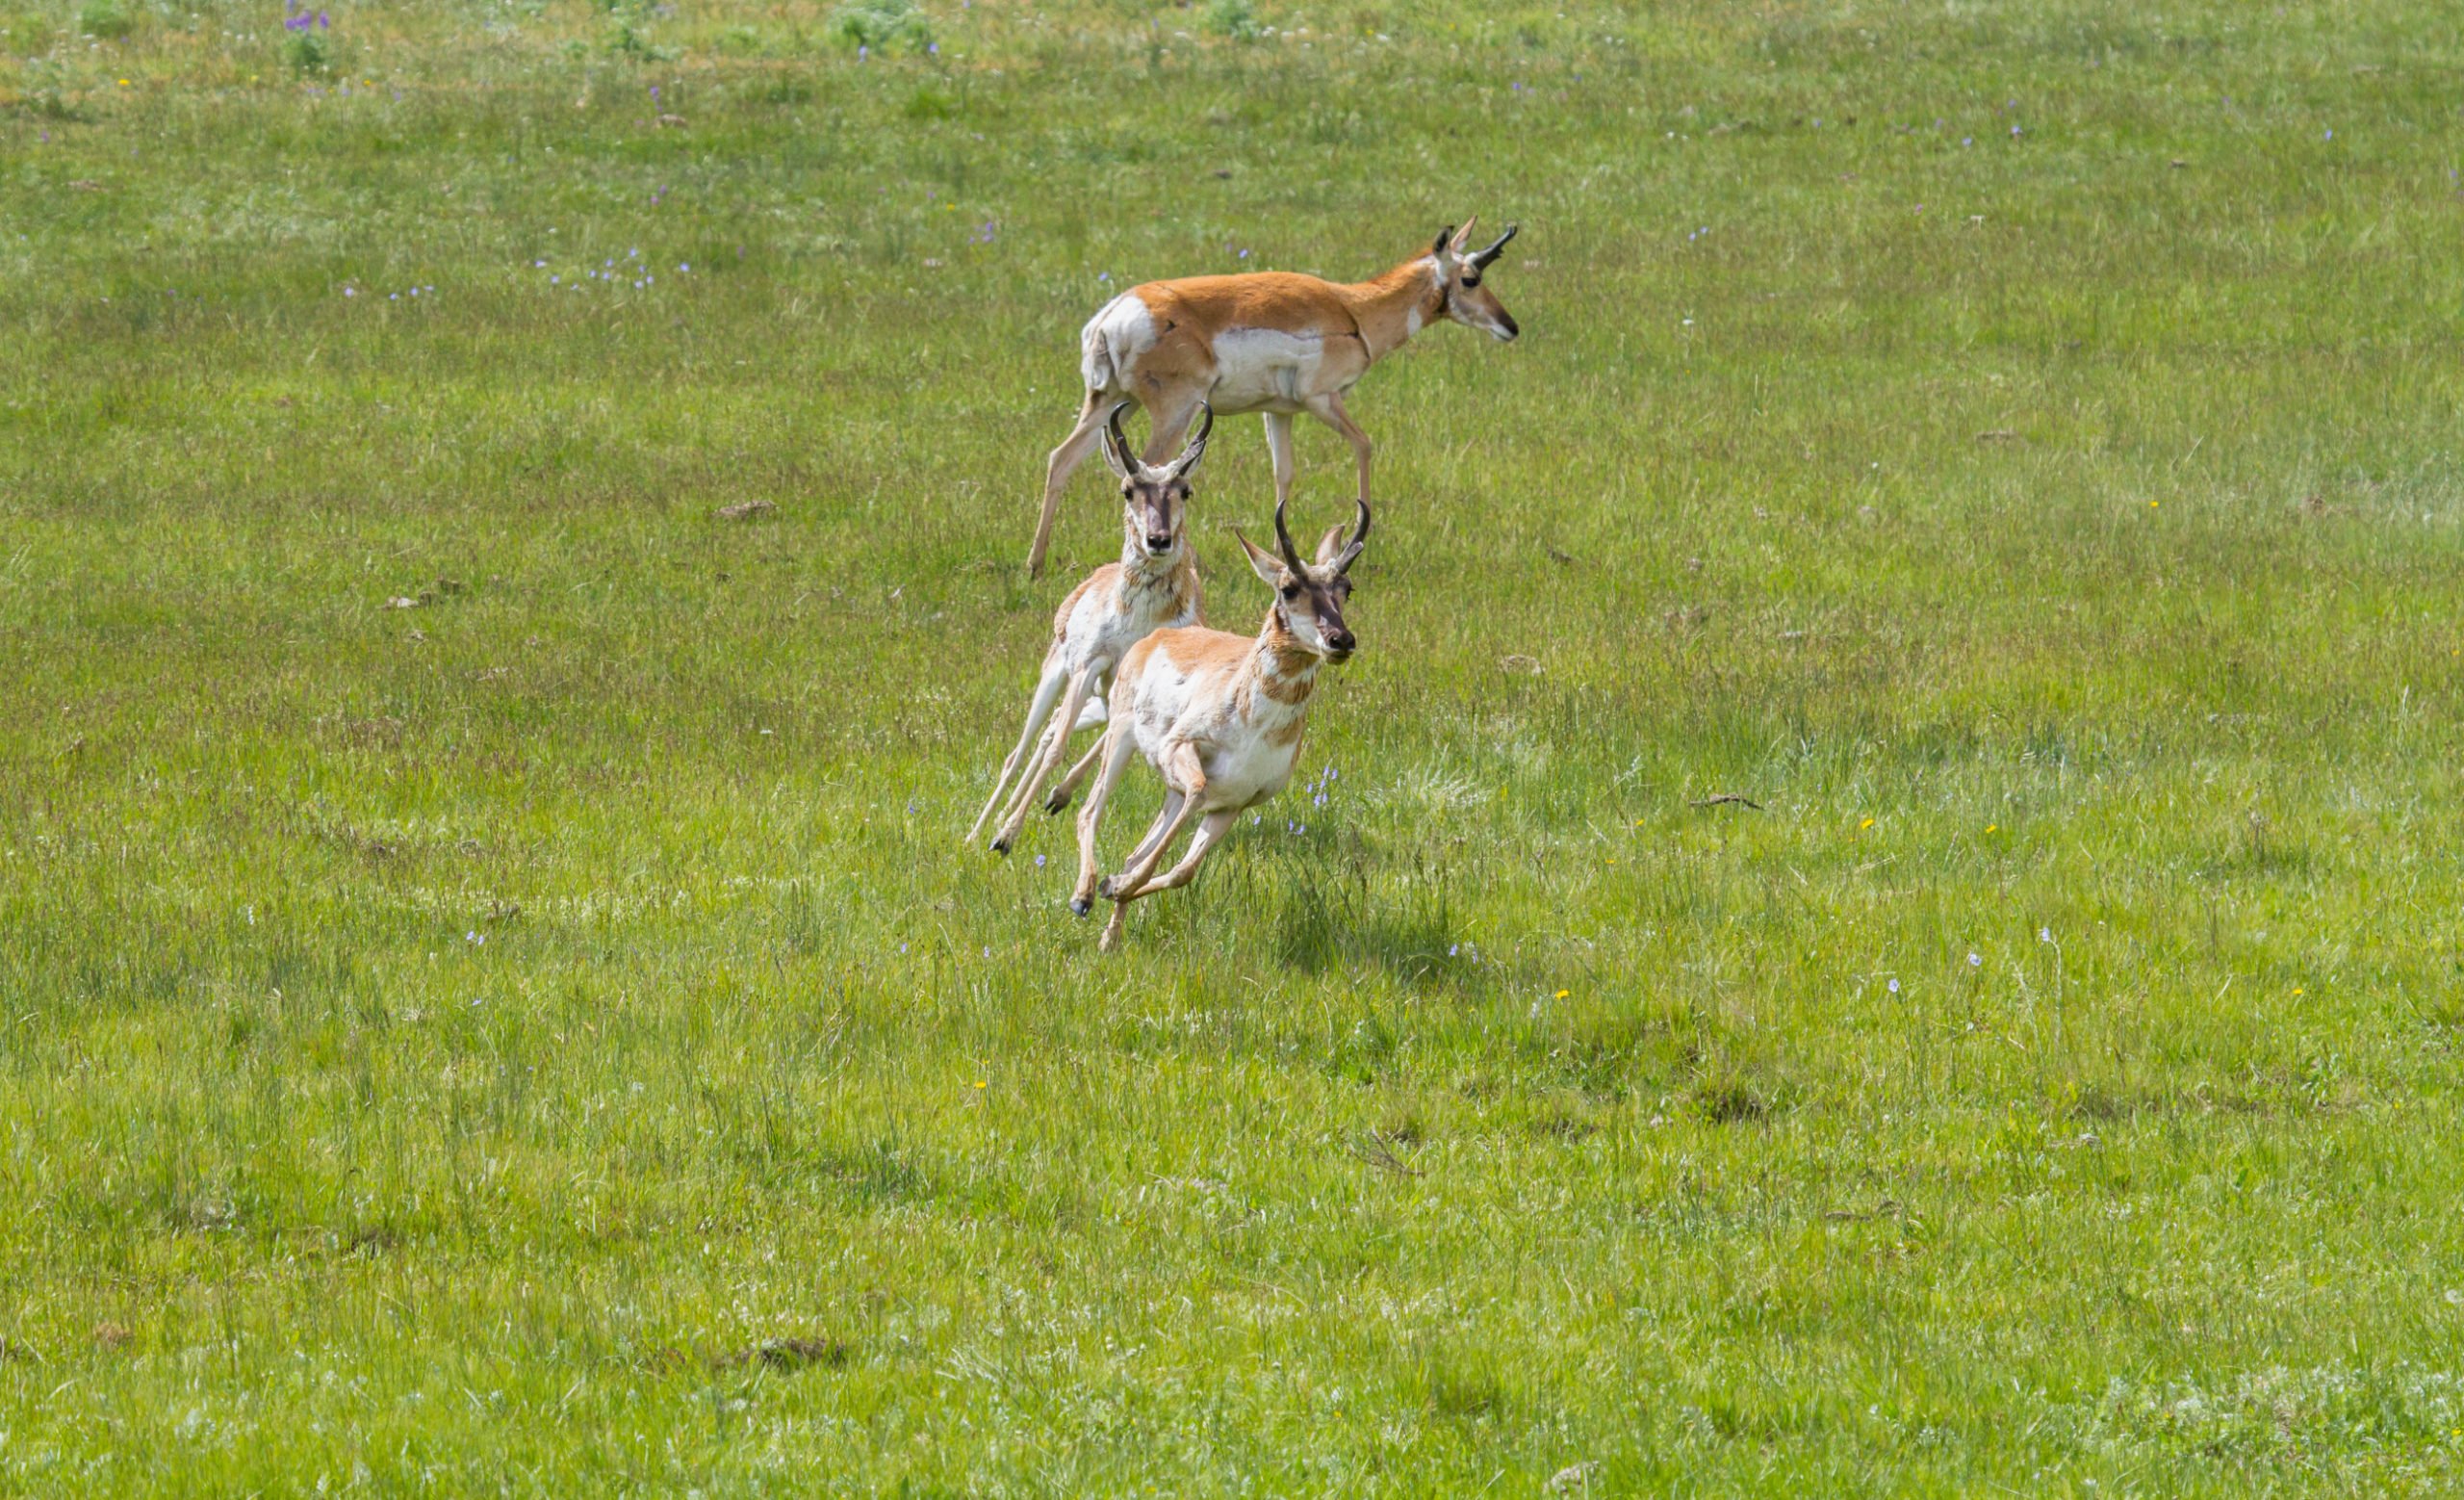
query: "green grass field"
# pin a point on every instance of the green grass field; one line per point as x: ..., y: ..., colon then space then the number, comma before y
x: 550, y: 1039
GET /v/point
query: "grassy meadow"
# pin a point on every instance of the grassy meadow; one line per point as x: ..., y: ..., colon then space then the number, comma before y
x: 492, y: 997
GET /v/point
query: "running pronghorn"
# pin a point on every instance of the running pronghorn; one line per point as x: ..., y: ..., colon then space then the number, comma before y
x: 1269, y: 342
x: 1218, y: 715
x: 1154, y: 585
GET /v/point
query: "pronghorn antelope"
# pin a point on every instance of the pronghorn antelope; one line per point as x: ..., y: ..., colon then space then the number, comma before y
x: 1154, y: 585
x: 1218, y: 715
x: 1267, y: 342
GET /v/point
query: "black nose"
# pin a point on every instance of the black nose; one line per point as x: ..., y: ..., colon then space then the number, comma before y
x: 1342, y: 640
x: 1155, y: 543
x: 1513, y: 329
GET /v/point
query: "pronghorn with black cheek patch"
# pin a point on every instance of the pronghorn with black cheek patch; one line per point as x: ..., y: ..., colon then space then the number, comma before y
x: 1153, y: 587
x: 1267, y: 342
x: 1218, y: 715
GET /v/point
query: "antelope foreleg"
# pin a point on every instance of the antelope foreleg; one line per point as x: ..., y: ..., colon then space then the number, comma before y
x: 1047, y: 688
x: 1279, y: 451
x: 1048, y: 755
x: 1117, y: 745
x: 1183, y: 774
x: 1067, y: 786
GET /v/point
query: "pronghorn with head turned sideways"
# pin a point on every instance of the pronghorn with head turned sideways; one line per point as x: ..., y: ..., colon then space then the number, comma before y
x: 1269, y: 342
x: 1218, y: 715
x: 1153, y: 587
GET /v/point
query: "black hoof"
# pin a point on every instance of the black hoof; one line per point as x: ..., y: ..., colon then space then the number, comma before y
x: 1108, y: 888
x: 1000, y: 845
x: 1056, y: 806
x: 1080, y: 906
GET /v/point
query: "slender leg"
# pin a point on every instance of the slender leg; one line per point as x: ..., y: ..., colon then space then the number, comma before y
x: 1046, y: 690
x: 1212, y: 827
x: 1279, y: 449
x: 1118, y: 742
x: 1209, y: 830
x: 1172, y: 413
x: 1067, y: 786
x: 1184, y: 773
x: 1329, y: 409
x: 1164, y: 816
x: 1063, y: 463
x: 1040, y: 768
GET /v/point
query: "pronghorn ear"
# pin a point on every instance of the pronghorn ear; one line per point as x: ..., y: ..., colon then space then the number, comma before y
x: 1116, y: 446
x: 1463, y: 236
x: 1331, y: 545
x: 1265, y: 566
x: 1437, y: 251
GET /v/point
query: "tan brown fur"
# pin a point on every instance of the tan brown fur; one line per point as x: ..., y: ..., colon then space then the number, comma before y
x: 1189, y: 313
x: 1219, y: 716
x: 1353, y: 325
x: 1154, y: 584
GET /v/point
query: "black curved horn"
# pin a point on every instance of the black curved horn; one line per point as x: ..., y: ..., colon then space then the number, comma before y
x: 1126, y: 455
x: 1197, y: 450
x: 1283, y: 540
x: 1359, y: 540
x: 1498, y: 248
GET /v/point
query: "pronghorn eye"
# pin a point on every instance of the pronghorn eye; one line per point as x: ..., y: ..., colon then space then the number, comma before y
x: 1472, y: 280
x: 1290, y: 590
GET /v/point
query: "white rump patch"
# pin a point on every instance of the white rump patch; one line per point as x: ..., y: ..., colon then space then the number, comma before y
x: 1121, y: 330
